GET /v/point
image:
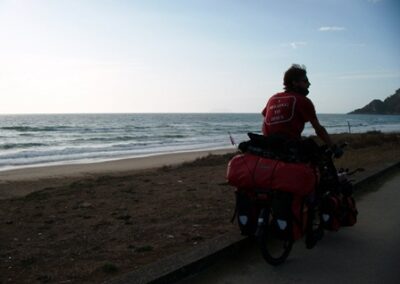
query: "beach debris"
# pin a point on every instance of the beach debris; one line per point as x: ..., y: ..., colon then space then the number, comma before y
x: 197, y: 238
x: 165, y: 168
x: 44, y: 278
x: 96, y: 248
x: 26, y: 262
x: 170, y: 237
x: 125, y: 217
x: 130, y: 190
x: 180, y: 181
x: 85, y: 204
x: 109, y: 268
x: 145, y: 248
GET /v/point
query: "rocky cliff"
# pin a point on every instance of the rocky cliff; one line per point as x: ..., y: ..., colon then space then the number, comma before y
x: 391, y: 105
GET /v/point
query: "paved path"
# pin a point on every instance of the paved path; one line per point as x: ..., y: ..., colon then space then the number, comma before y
x: 366, y: 253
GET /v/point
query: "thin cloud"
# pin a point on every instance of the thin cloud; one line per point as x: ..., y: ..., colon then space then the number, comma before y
x: 370, y: 75
x: 331, y: 29
x: 297, y: 44
x: 357, y: 45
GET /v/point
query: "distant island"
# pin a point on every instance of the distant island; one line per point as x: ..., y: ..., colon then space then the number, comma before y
x: 391, y: 105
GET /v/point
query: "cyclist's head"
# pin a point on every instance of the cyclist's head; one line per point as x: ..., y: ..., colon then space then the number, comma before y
x: 294, y: 79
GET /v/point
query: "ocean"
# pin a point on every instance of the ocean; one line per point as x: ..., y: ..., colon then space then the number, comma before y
x: 35, y: 140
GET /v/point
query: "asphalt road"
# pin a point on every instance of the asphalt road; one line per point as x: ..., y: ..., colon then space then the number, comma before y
x: 369, y: 252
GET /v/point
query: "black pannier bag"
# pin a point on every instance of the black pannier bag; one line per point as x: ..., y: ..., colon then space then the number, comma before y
x: 247, y: 213
x: 282, y: 215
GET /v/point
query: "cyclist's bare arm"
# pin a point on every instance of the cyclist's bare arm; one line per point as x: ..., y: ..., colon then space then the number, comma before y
x: 321, y: 132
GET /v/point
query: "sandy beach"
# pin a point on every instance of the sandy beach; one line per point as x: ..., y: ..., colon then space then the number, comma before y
x: 20, y: 182
x: 88, y: 223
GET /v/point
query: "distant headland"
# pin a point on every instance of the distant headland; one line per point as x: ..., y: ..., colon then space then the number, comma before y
x: 391, y: 105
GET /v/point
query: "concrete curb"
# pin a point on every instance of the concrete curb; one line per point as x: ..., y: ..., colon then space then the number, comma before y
x: 181, y: 265
x: 178, y: 266
x: 364, y: 183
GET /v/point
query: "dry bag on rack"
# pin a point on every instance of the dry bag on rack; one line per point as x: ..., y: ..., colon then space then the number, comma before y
x: 249, y: 172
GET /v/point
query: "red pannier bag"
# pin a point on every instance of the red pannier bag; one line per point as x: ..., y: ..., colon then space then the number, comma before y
x: 349, y: 212
x: 249, y: 172
x: 300, y: 216
x: 240, y: 171
x: 338, y: 211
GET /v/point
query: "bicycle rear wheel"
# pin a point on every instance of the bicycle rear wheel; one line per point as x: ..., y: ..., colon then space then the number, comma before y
x: 274, y: 248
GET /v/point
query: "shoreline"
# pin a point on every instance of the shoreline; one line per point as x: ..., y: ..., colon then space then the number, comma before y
x: 21, y: 182
x: 17, y: 183
x: 111, y: 166
x: 69, y: 164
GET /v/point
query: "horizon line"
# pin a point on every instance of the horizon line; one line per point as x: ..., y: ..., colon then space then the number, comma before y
x: 94, y: 113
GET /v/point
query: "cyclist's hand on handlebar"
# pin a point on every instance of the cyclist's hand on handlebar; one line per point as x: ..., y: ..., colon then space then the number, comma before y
x: 337, y: 151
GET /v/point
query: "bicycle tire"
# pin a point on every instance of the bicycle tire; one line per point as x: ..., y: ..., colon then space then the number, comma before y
x: 269, y: 244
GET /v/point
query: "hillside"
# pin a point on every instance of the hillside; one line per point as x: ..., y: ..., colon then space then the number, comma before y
x: 391, y: 105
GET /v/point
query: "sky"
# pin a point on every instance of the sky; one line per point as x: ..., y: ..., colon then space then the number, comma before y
x: 103, y: 56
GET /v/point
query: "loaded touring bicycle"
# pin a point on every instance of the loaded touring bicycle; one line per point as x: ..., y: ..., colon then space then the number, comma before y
x: 287, y: 191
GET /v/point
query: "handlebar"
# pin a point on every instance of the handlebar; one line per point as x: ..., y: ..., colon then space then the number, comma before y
x: 336, y: 151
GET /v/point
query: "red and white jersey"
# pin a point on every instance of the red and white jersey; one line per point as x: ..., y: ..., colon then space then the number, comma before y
x: 286, y: 114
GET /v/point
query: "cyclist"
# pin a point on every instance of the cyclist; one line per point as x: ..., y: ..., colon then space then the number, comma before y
x: 287, y: 112
x: 285, y: 116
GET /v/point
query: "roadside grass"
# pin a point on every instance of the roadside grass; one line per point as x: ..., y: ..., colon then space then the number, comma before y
x: 362, y: 150
x: 363, y: 140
